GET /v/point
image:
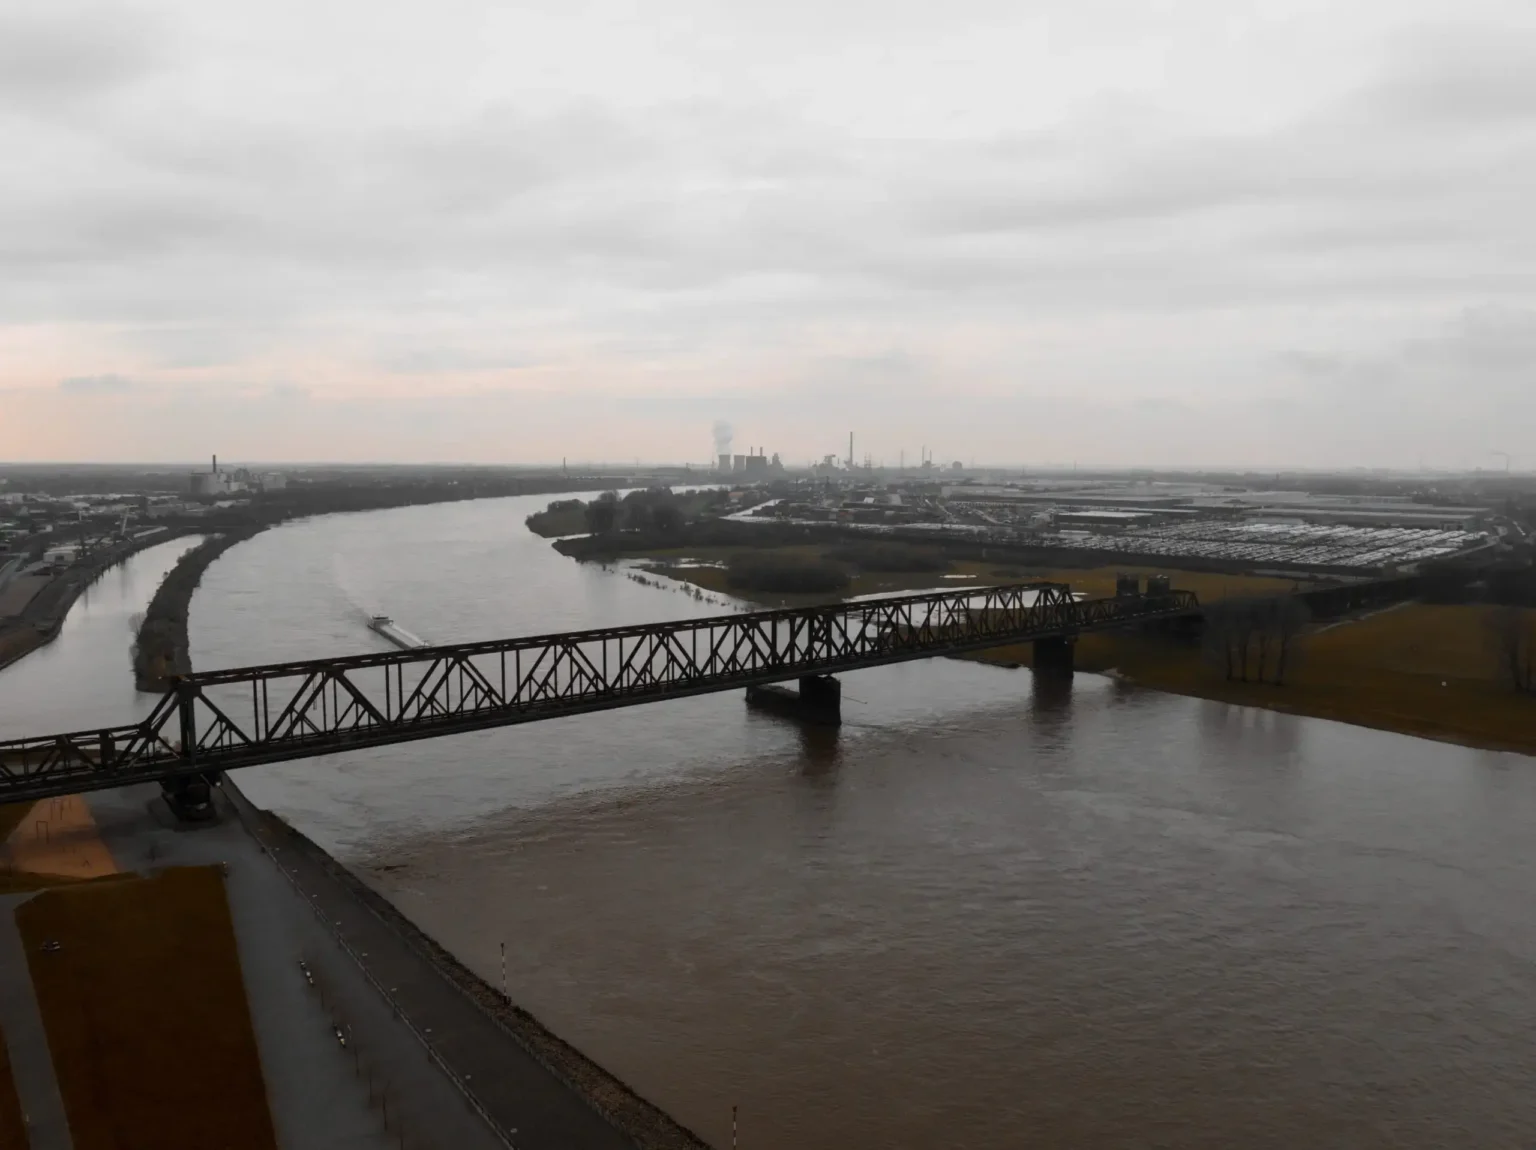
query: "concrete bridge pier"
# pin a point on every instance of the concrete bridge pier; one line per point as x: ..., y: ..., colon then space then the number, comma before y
x: 819, y: 699
x: 1054, y: 655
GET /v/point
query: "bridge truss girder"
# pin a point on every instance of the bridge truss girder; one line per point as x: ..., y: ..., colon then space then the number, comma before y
x: 222, y: 720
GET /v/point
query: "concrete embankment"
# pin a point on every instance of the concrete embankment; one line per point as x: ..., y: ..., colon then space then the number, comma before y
x: 519, y: 1074
x: 353, y: 1027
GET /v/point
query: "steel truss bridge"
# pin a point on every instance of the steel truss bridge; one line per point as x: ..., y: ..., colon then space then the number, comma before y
x: 220, y: 720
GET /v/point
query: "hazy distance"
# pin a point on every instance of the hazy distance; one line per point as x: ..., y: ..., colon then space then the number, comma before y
x: 1102, y: 231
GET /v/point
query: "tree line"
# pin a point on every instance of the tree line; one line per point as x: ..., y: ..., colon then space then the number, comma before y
x: 1255, y: 640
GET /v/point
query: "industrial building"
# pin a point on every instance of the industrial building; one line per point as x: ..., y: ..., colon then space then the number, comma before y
x: 754, y: 465
x: 214, y: 482
x: 1182, y: 501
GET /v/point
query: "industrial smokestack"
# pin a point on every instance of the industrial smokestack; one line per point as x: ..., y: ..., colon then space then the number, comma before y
x: 215, y: 464
x: 850, y: 451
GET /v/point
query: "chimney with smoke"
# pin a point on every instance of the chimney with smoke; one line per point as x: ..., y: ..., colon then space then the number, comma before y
x: 723, y: 436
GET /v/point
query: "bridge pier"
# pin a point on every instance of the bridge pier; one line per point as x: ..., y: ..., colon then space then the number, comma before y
x: 190, y: 797
x: 1054, y: 655
x: 819, y: 699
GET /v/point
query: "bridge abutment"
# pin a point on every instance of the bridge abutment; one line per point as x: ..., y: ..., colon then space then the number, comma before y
x: 819, y: 699
x: 1055, y: 655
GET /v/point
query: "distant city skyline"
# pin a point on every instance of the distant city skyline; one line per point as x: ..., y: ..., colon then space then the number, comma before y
x: 1098, y: 230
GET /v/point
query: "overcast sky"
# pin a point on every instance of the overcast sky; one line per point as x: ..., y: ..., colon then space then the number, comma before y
x: 1109, y: 231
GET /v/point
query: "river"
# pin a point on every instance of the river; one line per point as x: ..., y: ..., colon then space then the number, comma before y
x: 85, y: 677
x: 986, y: 913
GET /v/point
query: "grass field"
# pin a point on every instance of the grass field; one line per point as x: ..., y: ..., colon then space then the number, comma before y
x: 1094, y: 582
x: 1418, y: 669
x: 11, y: 815
x: 144, y: 1006
x: 58, y: 838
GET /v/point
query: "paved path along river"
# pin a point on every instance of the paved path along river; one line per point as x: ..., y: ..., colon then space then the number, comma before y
x: 981, y: 915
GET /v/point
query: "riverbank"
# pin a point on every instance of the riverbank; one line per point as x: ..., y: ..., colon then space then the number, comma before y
x: 1417, y: 669
x: 160, y: 645
x: 876, y: 569
x: 183, y: 956
x: 527, y: 1077
x: 39, y: 621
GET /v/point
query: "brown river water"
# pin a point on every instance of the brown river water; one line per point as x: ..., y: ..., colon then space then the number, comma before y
x: 986, y: 913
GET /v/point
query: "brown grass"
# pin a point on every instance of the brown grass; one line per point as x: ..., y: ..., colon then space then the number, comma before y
x: 1099, y: 582
x: 145, y: 1011
x: 11, y: 815
x: 1385, y: 670
x: 1417, y: 669
x: 1095, y: 581
x: 13, y: 1126
x: 864, y: 583
x: 59, y: 838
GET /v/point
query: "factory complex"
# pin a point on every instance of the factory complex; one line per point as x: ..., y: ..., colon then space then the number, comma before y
x: 1156, y: 521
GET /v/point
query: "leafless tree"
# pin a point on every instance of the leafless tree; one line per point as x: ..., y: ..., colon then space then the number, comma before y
x: 1229, y: 635
x: 1513, y: 634
x: 1289, y: 620
x: 1255, y: 640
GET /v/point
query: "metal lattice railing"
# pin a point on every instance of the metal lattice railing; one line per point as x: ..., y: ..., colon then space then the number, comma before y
x: 220, y: 720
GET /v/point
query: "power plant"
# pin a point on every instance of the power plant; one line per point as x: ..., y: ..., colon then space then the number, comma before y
x: 754, y: 465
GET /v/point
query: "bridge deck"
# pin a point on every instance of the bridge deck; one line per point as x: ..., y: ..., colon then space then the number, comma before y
x: 246, y: 716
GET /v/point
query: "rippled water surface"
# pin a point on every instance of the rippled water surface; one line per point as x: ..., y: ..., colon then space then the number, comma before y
x: 985, y: 913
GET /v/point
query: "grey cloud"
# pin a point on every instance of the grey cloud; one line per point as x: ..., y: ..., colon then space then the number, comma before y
x: 1463, y: 77
x: 1312, y: 363
x: 96, y: 384
x: 1486, y: 341
x: 1481, y: 360
x: 56, y: 54
x: 707, y: 238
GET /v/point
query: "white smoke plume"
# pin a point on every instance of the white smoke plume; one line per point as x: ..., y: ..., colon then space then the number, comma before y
x: 723, y: 435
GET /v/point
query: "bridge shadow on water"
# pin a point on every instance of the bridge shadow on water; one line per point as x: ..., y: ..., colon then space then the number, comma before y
x: 820, y: 749
x: 1050, y: 702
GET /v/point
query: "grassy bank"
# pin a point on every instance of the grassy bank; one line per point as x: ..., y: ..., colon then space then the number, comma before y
x: 876, y: 568
x: 1417, y: 669
x: 160, y: 647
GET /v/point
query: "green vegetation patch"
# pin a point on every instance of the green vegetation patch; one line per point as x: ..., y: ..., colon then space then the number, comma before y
x: 562, y: 517
x: 658, y: 514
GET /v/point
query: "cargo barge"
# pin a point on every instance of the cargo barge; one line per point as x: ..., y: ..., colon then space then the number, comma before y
x: 395, y: 633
